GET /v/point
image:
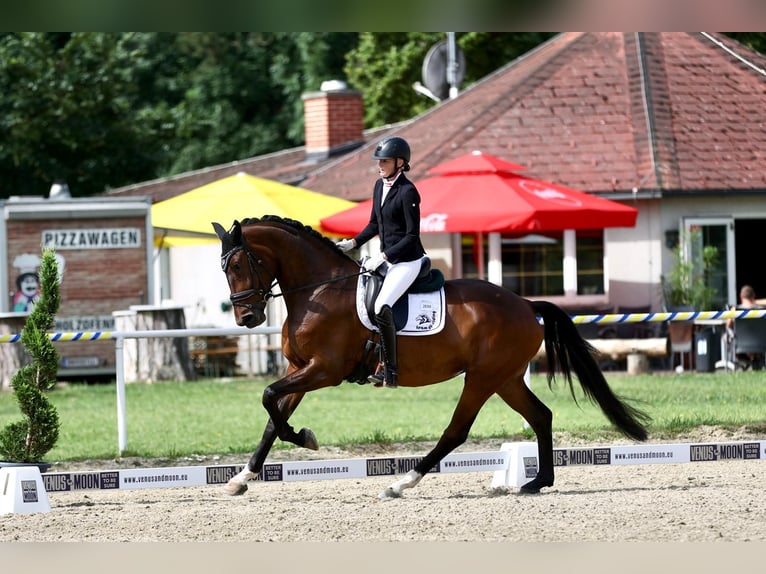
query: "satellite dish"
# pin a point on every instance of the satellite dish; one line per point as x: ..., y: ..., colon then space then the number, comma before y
x: 435, y: 68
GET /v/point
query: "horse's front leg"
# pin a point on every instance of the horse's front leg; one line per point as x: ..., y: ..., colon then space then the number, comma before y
x: 238, y: 484
x: 410, y: 480
x: 313, y: 376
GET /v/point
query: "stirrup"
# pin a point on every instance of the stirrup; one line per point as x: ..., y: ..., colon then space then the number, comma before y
x: 377, y: 378
x: 383, y: 377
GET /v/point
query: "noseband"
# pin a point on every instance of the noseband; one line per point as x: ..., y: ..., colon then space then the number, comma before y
x: 240, y: 296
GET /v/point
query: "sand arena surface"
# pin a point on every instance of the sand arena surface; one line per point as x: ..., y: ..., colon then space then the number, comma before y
x: 710, y: 501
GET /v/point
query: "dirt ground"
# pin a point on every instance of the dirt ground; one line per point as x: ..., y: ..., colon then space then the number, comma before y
x: 699, y: 502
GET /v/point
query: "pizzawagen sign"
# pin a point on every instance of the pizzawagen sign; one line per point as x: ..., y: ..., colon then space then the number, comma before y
x: 97, y: 238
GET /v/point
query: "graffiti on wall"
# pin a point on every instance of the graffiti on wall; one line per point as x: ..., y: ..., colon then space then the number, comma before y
x: 28, y: 280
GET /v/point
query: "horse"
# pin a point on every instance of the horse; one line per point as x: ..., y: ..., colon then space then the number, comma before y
x: 490, y: 335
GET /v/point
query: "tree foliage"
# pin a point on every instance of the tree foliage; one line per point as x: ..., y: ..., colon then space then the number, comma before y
x: 68, y: 110
x: 753, y: 40
x: 101, y: 110
x: 384, y: 66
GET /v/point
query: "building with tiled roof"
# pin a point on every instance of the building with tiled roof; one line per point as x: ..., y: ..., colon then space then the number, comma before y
x: 672, y: 123
x: 601, y: 112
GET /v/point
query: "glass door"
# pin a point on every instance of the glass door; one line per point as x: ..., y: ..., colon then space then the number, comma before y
x: 716, y: 232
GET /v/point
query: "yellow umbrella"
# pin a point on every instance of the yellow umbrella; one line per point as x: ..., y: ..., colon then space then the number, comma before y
x: 186, y: 219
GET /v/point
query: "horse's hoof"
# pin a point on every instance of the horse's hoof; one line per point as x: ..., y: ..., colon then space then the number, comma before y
x: 234, y: 488
x: 534, y: 486
x: 526, y: 491
x: 309, y: 439
x: 389, y: 493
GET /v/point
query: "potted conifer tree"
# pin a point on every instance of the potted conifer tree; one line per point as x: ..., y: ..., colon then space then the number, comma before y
x: 28, y: 440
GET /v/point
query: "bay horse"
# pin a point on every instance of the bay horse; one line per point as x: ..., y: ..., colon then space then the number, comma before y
x: 490, y: 335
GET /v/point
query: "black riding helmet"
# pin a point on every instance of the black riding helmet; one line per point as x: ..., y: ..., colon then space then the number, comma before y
x: 393, y: 148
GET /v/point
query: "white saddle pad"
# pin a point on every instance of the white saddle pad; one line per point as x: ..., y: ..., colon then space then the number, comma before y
x: 425, y: 313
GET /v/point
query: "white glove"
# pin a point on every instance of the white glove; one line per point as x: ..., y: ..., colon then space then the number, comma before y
x: 374, y: 262
x: 346, y: 245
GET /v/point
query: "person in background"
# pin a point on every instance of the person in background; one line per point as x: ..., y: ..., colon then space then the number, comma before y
x: 395, y: 219
x: 747, y: 300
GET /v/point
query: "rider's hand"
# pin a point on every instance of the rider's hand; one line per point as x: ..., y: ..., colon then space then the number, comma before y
x: 374, y: 262
x: 346, y: 245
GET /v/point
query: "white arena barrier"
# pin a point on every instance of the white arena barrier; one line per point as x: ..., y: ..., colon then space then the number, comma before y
x: 289, y: 471
x: 22, y: 490
x: 523, y: 463
x: 513, y: 465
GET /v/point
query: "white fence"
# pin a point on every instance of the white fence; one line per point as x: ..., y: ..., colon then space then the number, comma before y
x: 119, y: 364
x: 119, y: 340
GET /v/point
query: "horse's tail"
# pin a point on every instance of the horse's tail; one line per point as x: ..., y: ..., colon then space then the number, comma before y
x: 566, y: 349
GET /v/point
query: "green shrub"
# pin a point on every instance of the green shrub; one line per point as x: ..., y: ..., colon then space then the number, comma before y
x: 29, y: 439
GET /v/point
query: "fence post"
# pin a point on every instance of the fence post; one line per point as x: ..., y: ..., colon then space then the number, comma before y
x: 119, y: 366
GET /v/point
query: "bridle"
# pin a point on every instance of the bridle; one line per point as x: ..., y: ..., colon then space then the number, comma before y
x: 237, y: 299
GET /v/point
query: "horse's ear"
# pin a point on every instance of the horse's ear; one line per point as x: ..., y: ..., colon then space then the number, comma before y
x: 227, y: 242
x: 219, y: 230
x: 236, y: 232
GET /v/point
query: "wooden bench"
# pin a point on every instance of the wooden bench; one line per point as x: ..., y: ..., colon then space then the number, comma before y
x: 636, y: 351
x: 215, y: 356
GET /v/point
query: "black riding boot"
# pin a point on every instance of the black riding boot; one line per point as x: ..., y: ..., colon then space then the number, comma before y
x: 385, y: 321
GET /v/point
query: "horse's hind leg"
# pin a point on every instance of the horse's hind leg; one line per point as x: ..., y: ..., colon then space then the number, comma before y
x: 519, y: 397
x: 471, y: 401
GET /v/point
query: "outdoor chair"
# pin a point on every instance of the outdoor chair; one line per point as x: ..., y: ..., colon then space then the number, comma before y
x: 749, y: 344
x: 680, y: 342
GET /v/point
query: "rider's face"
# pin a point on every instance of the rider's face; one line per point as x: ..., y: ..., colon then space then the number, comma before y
x: 386, y: 167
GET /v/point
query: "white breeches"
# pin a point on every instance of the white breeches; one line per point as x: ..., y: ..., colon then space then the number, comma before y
x: 398, y: 279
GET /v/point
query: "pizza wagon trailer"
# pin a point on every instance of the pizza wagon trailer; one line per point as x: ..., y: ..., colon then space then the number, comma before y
x: 104, y: 250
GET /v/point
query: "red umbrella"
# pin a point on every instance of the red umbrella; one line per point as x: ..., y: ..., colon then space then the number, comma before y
x: 482, y: 193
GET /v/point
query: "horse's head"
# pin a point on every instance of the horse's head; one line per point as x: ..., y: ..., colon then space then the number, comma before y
x: 249, y: 281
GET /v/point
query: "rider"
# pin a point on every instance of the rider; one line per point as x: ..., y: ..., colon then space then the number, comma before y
x: 395, y: 219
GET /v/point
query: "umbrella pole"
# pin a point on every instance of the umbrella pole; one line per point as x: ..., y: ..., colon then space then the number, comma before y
x: 570, y: 262
x: 479, y: 247
x: 495, y: 269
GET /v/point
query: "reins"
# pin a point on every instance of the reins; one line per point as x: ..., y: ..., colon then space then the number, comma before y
x: 319, y: 283
x: 266, y: 294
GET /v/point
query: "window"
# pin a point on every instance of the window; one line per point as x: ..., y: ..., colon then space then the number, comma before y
x: 590, y: 262
x: 533, y: 264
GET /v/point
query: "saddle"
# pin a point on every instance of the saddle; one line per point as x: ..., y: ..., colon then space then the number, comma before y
x: 420, y: 311
x: 427, y: 281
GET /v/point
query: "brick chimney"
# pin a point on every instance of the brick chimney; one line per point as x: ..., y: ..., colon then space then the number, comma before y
x: 333, y: 119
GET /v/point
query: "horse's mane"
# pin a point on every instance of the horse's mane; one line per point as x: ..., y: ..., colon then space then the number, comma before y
x: 294, y: 224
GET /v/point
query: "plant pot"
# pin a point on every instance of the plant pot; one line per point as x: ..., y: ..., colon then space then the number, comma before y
x: 43, y: 466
